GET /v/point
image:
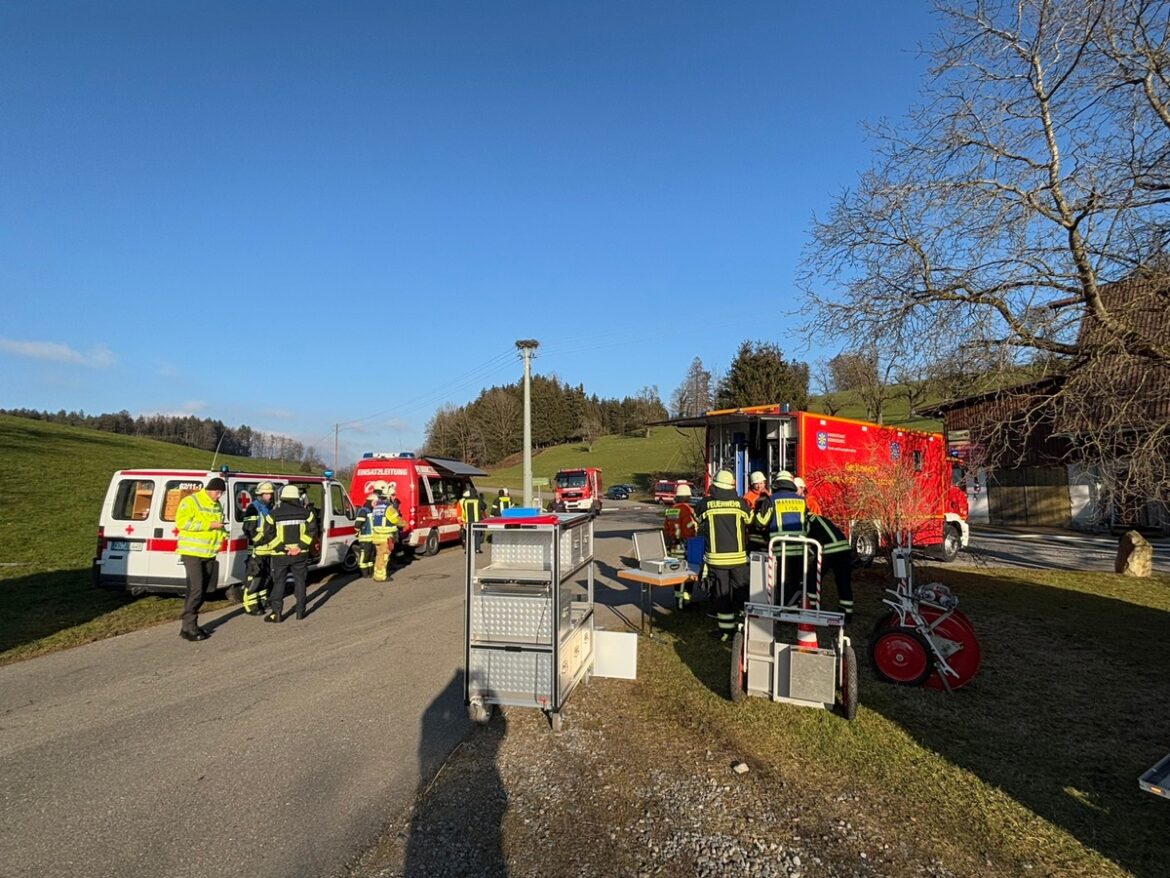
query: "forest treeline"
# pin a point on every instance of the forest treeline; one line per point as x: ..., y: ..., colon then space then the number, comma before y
x: 206, y: 433
x: 490, y: 428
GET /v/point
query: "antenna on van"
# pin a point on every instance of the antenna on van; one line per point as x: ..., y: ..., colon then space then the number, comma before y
x: 216, y: 454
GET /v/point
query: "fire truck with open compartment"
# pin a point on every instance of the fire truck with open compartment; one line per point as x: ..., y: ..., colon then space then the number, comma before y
x: 837, y: 455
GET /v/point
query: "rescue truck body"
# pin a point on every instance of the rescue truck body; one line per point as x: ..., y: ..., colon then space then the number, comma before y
x: 579, y: 489
x: 837, y: 455
x: 428, y: 490
x: 664, y: 491
x: 137, y: 535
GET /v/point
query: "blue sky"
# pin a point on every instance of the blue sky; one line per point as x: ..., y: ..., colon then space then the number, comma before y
x: 296, y: 214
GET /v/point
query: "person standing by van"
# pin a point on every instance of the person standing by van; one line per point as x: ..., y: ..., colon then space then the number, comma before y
x: 502, y: 503
x: 471, y: 511
x: 258, y: 571
x: 291, y: 529
x: 199, y: 520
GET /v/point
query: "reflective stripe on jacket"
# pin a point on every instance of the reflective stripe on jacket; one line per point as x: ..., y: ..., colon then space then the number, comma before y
x: 785, y: 516
x: 469, y: 510
x: 383, y: 520
x: 254, y: 517
x: 831, y: 537
x: 289, y: 524
x: 724, y: 520
x: 194, y: 517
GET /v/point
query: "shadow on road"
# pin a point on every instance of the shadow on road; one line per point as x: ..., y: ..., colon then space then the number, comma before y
x: 459, y: 810
x: 42, y: 604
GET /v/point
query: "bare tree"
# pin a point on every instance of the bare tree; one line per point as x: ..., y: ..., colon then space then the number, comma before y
x: 1001, y: 217
x: 825, y: 386
x: 695, y: 395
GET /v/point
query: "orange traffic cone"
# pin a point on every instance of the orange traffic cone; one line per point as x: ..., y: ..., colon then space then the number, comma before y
x: 806, y: 635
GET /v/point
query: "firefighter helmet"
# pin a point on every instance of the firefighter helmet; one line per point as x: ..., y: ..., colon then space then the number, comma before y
x: 265, y: 488
x: 683, y: 490
x: 724, y: 479
x: 391, y: 488
x: 757, y: 478
x: 290, y: 492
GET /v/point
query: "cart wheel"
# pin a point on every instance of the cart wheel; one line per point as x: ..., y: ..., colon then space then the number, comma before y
x: 479, y: 712
x: 966, y: 661
x: 849, y: 683
x: 554, y: 720
x: 738, y: 669
x: 901, y: 655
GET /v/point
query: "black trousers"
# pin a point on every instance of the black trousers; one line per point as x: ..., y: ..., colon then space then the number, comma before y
x: 730, y: 587
x: 282, y: 567
x: 202, y: 574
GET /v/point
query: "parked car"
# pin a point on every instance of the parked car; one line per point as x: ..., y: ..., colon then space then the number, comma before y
x: 618, y: 492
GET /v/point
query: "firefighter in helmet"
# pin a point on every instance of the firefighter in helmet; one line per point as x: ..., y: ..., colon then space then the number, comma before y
x: 678, y: 526
x: 502, y: 503
x: 836, y: 549
x: 757, y: 497
x: 470, y: 511
x: 365, y: 546
x: 257, y: 572
x: 289, y: 532
x: 785, y: 515
x: 723, y: 517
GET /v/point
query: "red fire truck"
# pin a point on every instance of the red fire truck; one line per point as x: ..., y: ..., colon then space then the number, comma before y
x: 579, y: 489
x: 871, y: 479
x: 428, y: 491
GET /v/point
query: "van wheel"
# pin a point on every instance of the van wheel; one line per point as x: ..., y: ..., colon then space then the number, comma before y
x: 431, y: 546
x: 350, y: 562
x: 138, y: 591
x: 234, y: 593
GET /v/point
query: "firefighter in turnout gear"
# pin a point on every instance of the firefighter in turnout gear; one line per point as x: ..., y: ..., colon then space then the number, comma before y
x: 785, y: 516
x: 200, y: 521
x: 838, y: 558
x: 723, y: 517
x: 383, y: 523
x: 503, y: 502
x: 365, y: 552
x: 757, y: 498
x: 289, y: 533
x: 258, y: 572
x: 679, y: 526
x: 470, y: 511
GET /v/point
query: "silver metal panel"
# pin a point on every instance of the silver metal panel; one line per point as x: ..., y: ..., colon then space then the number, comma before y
x: 812, y: 675
x: 521, y: 677
x: 523, y: 549
x: 510, y: 617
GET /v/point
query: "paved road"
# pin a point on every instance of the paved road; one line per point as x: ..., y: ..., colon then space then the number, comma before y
x: 1051, y: 550
x: 264, y: 751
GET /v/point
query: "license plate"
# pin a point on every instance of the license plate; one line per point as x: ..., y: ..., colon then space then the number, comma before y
x: 119, y: 545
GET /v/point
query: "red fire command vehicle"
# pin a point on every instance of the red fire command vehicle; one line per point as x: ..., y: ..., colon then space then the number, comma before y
x: 579, y: 490
x: 664, y: 491
x: 866, y: 477
x: 428, y: 491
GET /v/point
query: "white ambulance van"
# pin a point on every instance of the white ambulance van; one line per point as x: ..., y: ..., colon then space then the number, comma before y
x: 428, y: 491
x: 137, y: 535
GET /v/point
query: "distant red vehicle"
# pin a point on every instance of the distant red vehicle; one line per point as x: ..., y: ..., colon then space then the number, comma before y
x: 579, y: 490
x: 664, y: 492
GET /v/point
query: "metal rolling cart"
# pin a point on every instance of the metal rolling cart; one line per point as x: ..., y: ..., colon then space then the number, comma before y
x: 529, y: 612
x: 795, y: 673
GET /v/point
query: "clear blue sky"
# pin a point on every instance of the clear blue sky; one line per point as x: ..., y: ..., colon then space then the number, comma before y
x: 289, y: 214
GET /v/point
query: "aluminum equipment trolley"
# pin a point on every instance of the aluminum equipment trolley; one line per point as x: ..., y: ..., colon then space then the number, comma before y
x: 795, y: 674
x: 1157, y: 779
x: 529, y: 612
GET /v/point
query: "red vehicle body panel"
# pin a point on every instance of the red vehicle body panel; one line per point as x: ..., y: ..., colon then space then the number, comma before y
x: 578, y: 489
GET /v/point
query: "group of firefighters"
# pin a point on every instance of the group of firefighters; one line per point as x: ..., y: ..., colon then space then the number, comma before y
x: 732, y: 526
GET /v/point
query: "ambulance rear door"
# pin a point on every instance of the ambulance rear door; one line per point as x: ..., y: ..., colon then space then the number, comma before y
x: 126, y: 519
x: 338, y: 530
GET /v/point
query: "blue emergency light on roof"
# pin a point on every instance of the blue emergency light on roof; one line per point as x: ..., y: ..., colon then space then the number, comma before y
x: 406, y: 454
x: 367, y: 455
x: 328, y: 473
x: 225, y: 469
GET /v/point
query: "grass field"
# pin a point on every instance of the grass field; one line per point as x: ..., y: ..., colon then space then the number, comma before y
x: 1029, y: 770
x: 632, y: 458
x: 53, y: 483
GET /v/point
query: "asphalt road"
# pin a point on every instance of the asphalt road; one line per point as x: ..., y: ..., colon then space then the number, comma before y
x: 267, y: 750
x: 1050, y: 550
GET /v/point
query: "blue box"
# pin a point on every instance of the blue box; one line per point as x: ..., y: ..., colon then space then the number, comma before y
x: 695, y: 548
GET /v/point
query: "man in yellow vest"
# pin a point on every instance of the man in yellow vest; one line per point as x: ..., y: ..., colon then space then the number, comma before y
x: 471, y: 511
x: 199, y: 519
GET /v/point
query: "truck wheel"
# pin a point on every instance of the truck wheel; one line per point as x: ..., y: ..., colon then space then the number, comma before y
x: 865, y: 546
x: 234, y: 593
x: 952, y: 542
x: 431, y: 546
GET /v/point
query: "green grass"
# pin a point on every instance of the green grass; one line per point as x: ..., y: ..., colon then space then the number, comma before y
x: 1030, y: 769
x: 633, y: 459
x: 54, y: 480
x: 895, y: 412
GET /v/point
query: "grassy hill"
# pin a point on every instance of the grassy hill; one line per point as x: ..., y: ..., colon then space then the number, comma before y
x: 631, y: 458
x: 53, y: 483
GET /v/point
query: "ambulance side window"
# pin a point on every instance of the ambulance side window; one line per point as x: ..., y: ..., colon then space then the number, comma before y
x: 245, y: 493
x: 133, y: 500
x: 174, y: 495
x: 341, y: 504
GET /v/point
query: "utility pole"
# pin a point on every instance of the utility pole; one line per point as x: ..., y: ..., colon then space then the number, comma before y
x: 527, y: 346
x: 336, y: 442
